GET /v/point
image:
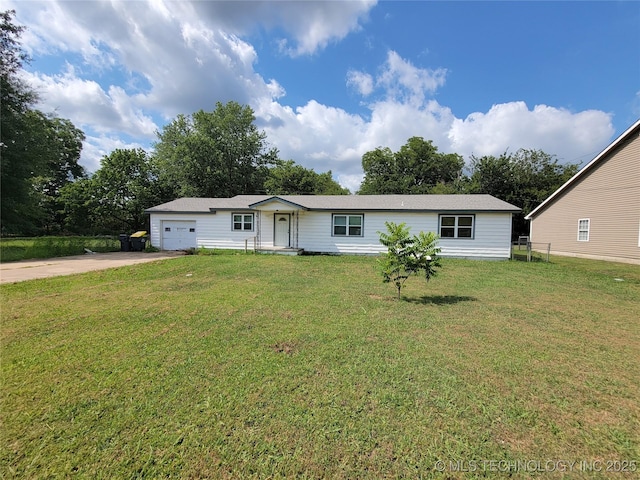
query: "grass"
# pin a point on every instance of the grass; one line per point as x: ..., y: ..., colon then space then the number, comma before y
x: 14, y: 249
x: 276, y: 367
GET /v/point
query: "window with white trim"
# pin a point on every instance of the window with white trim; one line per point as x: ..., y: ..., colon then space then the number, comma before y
x: 242, y: 222
x: 456, y: 226
x: 347, y: 225
x: 583, y: 230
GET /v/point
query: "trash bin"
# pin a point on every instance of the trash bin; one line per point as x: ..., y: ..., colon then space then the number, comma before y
x: 138, y: 241
x: 125, y: 244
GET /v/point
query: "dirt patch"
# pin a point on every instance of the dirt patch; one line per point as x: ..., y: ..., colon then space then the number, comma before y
x: 288, y: 348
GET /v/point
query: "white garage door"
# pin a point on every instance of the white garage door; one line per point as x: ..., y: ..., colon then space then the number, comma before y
x: 178, y: 235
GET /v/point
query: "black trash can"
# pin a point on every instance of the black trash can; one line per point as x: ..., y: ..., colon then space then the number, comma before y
x: 125, y: 243
x: 138, y: 243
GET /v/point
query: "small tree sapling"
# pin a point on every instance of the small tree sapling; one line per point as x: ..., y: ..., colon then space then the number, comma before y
x: 407, y: 255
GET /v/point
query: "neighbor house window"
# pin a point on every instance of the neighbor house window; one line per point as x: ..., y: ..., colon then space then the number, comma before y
x: 242, y: 222
x: 583, y: 230
x: 456, y: 226
x: 347, y: 225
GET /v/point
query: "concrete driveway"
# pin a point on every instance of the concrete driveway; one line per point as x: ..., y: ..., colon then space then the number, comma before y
x: 53, y: 267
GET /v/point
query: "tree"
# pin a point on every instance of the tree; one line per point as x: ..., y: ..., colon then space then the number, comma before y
x: 78, y: 203
x: 287, y: 178
x: 115, y: 197
x: 407, y: 255
x: 123, y: 187
x: 214, y: 154
x: 417, y: 168
x: 62, y: 145
x: 380, y: 170
x: 19, y: 153
x: 39, y: 153
x: 524, y: 179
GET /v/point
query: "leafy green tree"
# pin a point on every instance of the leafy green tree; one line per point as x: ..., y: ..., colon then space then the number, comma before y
x: 124, y: 186
x: 113, y: 200
x: 214, y: 154
x: 381, y: 175
x: 39, y: 153
x: 287, y: 178
x: 20, y: 158
x: 525, y: 179
x: 417, y: 168
x: 62, y: 144
x: 407, y: 255
x: 78, y: 203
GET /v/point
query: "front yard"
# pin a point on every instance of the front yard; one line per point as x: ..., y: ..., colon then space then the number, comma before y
x: 256, y: 366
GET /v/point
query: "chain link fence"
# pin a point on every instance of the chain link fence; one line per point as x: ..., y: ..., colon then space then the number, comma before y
x: 528, y: 251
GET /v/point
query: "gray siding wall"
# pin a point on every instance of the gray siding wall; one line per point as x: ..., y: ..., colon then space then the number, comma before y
x: 609, y: 196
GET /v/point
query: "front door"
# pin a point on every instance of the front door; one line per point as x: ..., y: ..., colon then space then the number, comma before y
x: 281, y: 236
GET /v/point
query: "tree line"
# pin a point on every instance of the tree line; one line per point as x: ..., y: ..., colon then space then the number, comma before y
x: 524, y: 178
x: 221, y: 153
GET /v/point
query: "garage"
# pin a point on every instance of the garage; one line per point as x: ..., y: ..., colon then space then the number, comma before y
x: 178, y: 234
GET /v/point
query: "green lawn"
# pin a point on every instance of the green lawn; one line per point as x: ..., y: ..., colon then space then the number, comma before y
x: 24, y: 248
x: 258, y: 366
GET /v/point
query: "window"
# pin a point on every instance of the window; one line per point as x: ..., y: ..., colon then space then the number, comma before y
x: 583, y: 230
x: 456, y: 226
x: 242, y: 222
x: 347, y: 225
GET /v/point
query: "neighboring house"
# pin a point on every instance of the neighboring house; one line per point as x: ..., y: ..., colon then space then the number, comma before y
x: 596, y: 214
x: 475, y: 226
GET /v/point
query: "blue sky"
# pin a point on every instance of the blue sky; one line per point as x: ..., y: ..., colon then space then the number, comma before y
x: 329, y: 81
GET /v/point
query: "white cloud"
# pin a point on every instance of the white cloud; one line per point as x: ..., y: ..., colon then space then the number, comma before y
x: 191, y: 55
x: 88, y: 105
x: 310, y: 25
x: 315, y: 24
x: 512, y: 126
x: 399, y: 81
x: 406, y: 83
x: 363, y: 82
x: 329, y: 138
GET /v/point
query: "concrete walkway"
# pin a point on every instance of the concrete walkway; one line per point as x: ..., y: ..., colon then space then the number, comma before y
x: 53, y: 267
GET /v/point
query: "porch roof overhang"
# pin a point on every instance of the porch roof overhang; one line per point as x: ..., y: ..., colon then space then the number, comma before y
x: 273, y: 202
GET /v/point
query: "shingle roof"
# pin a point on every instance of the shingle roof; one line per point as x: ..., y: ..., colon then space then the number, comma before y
x: 440, y: 203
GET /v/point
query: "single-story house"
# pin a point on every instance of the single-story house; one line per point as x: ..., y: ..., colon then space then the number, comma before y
x: 474, y: 226
x: 596, y: 213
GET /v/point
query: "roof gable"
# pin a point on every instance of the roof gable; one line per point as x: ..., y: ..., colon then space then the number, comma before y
x: 273, y: 203
x: 587, y: 169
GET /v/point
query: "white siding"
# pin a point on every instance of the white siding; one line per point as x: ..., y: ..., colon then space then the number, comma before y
x: 492, y: 238
x: 266, y: 229
x: 492, y: 232
x: 212, y: 230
